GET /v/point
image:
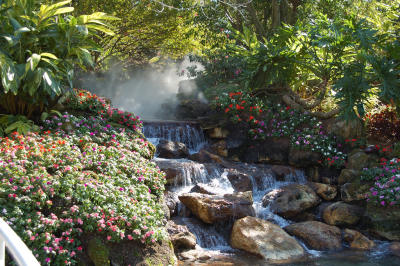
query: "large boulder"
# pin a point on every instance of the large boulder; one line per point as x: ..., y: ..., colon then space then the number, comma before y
x: 346, y: 129
x: 294, y: 199
x: 180, y: 236
x: 357, y: 240
x: 204, y: 156
x: 266, y: 239
x: 303, y: 158
x: 271, y: 150
x: 327, y: 192
x: 357, y: 160
x: 348, y: 176
x: 172, y: 150
x: 241, y: 182
x: 350, y: 192
x: 317, y: 235
x: 220, y: 148
x: 383, y: 221
x: 281, y: 171
x: 213, y: 208
x: 340, y: 213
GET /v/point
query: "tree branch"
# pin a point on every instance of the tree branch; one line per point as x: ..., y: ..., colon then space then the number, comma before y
x: 323, y: 115
x: 253, y: 16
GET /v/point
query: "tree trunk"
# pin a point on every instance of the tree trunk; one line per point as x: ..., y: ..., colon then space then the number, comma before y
x: 276, y: 14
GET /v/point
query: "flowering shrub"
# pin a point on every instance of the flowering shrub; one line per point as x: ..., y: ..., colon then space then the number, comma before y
x: 265, y: 120
x: 384, y: 125
x: 85, y: 101
x: 386, y: 188
x: 56, y: 185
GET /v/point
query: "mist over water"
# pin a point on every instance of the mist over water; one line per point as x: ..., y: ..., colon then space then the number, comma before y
x: 144, y: 91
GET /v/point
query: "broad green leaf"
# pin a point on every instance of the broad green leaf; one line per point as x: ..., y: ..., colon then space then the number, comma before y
x: 14, y: 23
x: 154, y: 59
x: 64, y: 10
x: 33, y: 61
x: 49, y: 55
x: 9, y: 39
x: 101, y: 28
x: 8, y: 73
x: 22, y: 30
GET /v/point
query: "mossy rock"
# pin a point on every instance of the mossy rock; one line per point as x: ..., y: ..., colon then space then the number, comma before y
x: 383, y: 221
x: 98, y: 252
x: 152, y: 149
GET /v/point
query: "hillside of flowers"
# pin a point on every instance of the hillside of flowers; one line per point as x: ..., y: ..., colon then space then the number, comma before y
x: 276, y: 120
x: 80, y: 174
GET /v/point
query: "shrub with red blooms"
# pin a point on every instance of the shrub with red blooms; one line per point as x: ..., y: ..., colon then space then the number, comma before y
x: 86, y: 101
x: 267, y: 120
x: 384, y: 125
x: 55, y: 185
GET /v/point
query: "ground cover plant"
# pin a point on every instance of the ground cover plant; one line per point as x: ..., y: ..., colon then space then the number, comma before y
x: 385, y: 179
x: 69, y: 179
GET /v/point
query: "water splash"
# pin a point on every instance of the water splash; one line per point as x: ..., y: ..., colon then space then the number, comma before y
x: 188, y: 133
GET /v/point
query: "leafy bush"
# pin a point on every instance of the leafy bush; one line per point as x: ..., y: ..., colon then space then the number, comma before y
x: 19, y: 123
x: 71, y: 179
x: 384, y: 125
x: 40, y: 47
x: 273, y: 120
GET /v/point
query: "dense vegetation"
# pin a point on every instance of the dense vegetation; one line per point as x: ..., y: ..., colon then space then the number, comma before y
x: 280, y: 67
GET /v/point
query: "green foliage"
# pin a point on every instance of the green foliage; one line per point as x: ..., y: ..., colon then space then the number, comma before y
x: 40, y: 47
x: 147, y: 30
x: 18, y: 123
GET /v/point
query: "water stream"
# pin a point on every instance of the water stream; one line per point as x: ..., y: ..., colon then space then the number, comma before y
x: 215, y: 238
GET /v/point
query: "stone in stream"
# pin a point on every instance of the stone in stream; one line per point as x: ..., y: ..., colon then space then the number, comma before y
x: 241, y: 182
x: 172, y: 150
x: 171, y: 200
x: 395, y: 248
x: 266, y: 239
x: 180, y: 236
x: 293, y: 199
x: 204, y: 156
x: 350, y: 192
x: 281, y: 171
x: 340, y: 213
x: 327, y: 192
x: 357, y: 240
x: 213, y: 208
x: 203, y: 189
x: 317, y: 235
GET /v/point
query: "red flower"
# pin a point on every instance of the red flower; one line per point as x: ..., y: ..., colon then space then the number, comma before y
x: 226, y: 110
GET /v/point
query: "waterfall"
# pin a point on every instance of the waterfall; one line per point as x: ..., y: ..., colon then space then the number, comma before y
x: 188, y: 173
x: 188, y: 133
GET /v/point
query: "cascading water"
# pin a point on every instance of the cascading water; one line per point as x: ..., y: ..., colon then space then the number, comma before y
x: 188, y: 133
x: 187, y: 173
